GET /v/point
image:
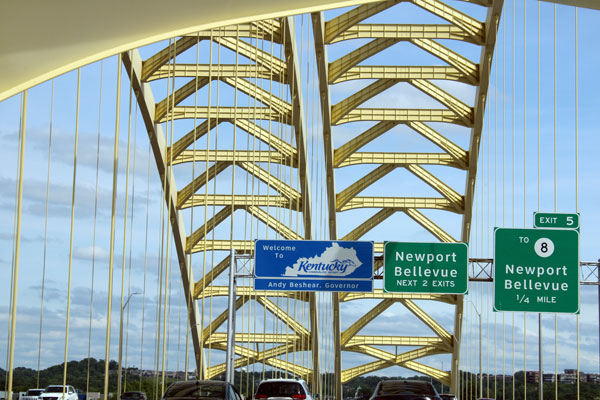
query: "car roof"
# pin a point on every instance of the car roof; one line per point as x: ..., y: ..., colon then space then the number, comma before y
x: 175, y: 388
x: 283, y: 380
x: 402, y: 384
x: 199, y: 382
x: 415, y: 382
x: 185, y: 384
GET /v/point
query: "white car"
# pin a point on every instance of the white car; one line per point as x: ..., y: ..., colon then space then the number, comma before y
x: 295, y: 389
x: 55, y: 392
x: 32, y: 394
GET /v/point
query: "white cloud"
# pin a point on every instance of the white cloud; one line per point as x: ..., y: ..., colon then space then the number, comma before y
x: 91, y: 252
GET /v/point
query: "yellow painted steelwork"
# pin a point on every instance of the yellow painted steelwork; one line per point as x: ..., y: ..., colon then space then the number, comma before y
x: 393, y: 341
x: 254, y: 338
x: 240, y: 155
x: 357, y: 65
x: 262, y: 207
x: 248, y: 291
x: 133, y: 65
x: 268, y: 357
x: 380, y: 294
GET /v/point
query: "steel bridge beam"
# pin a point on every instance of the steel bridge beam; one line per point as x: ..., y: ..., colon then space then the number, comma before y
x: 318, y: 25
x: 281, y: 338
x: 215, y: 291
x: 295, y: 81
x: 143, y: 92
x: 487, y: 52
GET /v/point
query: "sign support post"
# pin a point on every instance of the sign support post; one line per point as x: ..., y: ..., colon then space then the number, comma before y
x: 541, y: 364
x: 555, y: 221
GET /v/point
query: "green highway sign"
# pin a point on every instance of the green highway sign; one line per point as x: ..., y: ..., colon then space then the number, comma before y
x: 556, y: 220
x: 425, y: 267
x: 536, y: 270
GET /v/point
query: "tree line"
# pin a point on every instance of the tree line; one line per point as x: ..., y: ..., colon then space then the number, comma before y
x: 87, y: 375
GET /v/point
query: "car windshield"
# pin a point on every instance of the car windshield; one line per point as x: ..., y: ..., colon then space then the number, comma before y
x: 279, y: 389
x: 405, y: 387
x: 194, y: 390
x: 55, y: 389
x: 34, y: 392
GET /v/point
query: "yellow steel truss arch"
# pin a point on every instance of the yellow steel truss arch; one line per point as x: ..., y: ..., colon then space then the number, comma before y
x: 355, y: 65
x: 208, y: 117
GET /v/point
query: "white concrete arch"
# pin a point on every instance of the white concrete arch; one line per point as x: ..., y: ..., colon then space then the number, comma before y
x: 41, y: 39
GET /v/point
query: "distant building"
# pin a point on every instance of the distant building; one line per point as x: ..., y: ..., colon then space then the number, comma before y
x: 532, y: 376
x: 571, y: 372
x: 567, y: 378
x: 498, y: 378
x: 593, y: 378
x: 549, y: 378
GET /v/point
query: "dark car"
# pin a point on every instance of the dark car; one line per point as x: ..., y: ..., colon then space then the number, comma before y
x: 405, y: 390
x: 133, y: 396
x: 448, y: 396
x: 188, y: 390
